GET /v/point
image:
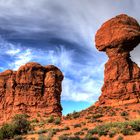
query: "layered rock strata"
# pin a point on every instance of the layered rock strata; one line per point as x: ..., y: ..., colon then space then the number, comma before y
x: 117, y: 37
x: 33, y: 90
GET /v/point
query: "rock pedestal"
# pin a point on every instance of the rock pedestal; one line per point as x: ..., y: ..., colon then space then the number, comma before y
x: 117, y: 37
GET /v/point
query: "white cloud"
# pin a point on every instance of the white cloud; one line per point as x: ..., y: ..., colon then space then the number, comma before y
x: 13, y: 51
x: 19, y: 54
x: 21, y: 58
x: 79, y: 83
x: 73, y: 21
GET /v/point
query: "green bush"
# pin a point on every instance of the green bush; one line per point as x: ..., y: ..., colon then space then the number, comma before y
x: 97, y: 116
x: 135, y: 125
x: 126, y: 128
x: 111, y: 133
x: 43, y: 137
x: 75, y: 115
x: 34, y: 120
x: 57, y: 120
x: 119, y: 138
x: 51, y: 133
x: 18, y: 138
x: 66, y: 128
x: 63, y: 137
x: 127, y: 131
x: 124, y: 113
x: 77, y: 125
x: 84, y: 129
x: 42, y: 131
x: 92, y: 138
x: 51, y: 119
x: 79, y: 133
x: 21, y: 124
x: 7, y: 131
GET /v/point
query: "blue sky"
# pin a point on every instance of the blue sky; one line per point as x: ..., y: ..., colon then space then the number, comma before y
x: 61, y: 32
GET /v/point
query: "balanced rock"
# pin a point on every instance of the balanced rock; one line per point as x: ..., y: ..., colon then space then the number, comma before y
x: 33, y: 90
x: 117, y: 37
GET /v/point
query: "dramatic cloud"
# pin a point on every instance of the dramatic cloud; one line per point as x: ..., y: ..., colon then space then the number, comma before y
x: 61, y: 33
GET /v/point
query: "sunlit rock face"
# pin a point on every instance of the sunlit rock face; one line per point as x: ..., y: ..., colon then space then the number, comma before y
x: 32, y: 90
x: 117, y: 37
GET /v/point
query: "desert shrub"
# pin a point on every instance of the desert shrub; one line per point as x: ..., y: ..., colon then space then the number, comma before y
x: 38, y: 114
x: 66, y: 128
x: 111, y: 133
x: 57, y: 120
x: 126, y: 128
x: 100, y: 130
x: 31, y: 132
x: 21, y: 124
x: 63, y: 137
x: 135, y: 125
x: 91, y: 138
x: 84, y: 129
x: 34, y: 120
x: 127, y: 131
x: 77, y: 125
x: 43, y: 137
x: 7, y: 131
x: 97, y: 116
x: 119, y: 138
x: 41, y: 123
x: 75, y: 115
x: 79, y: 133
x: 113, y: 113
x: 18, y: 138
x: 42, y: 131
x: 88, y: 117
x: 103, y: 131
x: 51, y: 119
x: 124, y: 113
x: 51, y: 133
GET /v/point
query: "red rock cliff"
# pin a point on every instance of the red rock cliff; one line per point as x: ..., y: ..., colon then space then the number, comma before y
x: 33, y: 90
x: 117, y: 37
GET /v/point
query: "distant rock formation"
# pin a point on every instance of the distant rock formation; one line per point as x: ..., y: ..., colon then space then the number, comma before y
x: 33, y: 90
x: 117, y: 37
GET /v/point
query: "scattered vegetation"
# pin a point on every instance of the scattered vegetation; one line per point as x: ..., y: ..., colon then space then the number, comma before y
x: 66, y: 128
x: 43, y: 137
x: 51, y: 119
x: 97, y: 116
x: 57, y: 120
x: 63, y: 137
x: 19, y: 125
x: 77, y: 125
x: 73, y: 115
x: 124, y: 113
x: 18, y: 137
x: 42, y: 131
x: 111, y: 129
x: 79, y: 133
x: 119, y: 138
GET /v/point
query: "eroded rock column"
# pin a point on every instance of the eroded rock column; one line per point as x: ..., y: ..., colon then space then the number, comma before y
x: 117, y: 37
x: 33, y: 90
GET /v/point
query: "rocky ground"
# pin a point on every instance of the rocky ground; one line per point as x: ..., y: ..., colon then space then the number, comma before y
x: 104, y: 123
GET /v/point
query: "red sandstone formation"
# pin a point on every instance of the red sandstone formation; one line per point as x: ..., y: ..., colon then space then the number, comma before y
x: 117, y: 37
x: 33, y: 90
